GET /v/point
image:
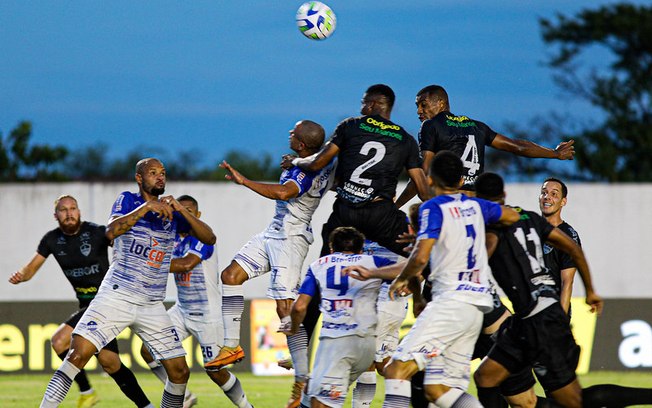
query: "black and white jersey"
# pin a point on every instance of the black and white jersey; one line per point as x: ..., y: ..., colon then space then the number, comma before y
x: 557, y: 260
x: 518, y: 263
x: 373, y: 152
x: 83, y: 257
x: 463, y: 136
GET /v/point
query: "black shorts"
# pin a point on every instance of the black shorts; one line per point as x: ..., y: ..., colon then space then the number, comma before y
x: 74, y: 319
x: 544, y: 342
x: 380, y: 221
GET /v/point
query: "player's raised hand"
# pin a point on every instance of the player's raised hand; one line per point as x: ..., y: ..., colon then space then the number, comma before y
x: 16, y: 278
x: 357, y: 272
x: 286, y: 161
x: 595, y: 302
x: 565, y: 150
x: 234, y: 175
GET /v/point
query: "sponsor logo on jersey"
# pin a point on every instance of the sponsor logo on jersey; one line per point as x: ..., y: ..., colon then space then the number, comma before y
x: 472, y: 288
x: 183, y: 278
x: 458, y: 212
x: 430, y: 353
x: 154, y: 256
x: 333, y: 305
x: 118, y: 203
x: 339, y: 326
x: 459, y: 121
x: 332, y: 392
x: 85, y: 291
x: 84, y: 271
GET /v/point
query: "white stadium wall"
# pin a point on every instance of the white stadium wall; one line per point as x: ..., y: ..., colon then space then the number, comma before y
x: 613, y: 222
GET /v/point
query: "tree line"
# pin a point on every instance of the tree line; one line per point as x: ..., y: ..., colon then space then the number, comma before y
x: 615, y: 148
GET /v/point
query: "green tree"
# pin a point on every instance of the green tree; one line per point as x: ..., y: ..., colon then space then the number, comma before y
x: 261, y: 166
x: 20, y: 160
x: 619, y: 148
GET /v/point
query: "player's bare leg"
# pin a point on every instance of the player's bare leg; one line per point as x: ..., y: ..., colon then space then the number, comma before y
x: 157, y: 368
x: 397, y: 383
x: 61, y: 345
x: 232, y: 308
x: 570, y: 396
x: 175, y: 386
x: 81, y: 350
x: 123, y: 376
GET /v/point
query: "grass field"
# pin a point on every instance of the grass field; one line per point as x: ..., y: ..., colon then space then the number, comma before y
x: 20, y: 391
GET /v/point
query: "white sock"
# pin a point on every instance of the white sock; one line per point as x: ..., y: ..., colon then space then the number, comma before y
x: 364, y: 391
x: 232, y: 309
x: 397, y: 393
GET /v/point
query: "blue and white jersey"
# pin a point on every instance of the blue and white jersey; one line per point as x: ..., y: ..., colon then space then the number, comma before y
x: 399, y: 305
x: 348, y: 306
x: 198, y: 289
x: 292, y: 217
x: 458, y: 261
x: 141, y: 256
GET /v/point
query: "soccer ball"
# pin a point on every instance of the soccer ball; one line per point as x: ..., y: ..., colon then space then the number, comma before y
x: 316, y: 20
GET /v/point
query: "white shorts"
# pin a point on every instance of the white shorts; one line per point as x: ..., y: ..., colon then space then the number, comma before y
x: 209, y: 332
x: 284, y: 257
x: 442, y: 341
x: 106, y: 317
x: 338, y: 363
x: 387, y: 331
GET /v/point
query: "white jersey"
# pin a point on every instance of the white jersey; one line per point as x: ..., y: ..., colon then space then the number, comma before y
x: 399, y: 305
x: 348, y: 306
x: 458, y: 261
x: 141, y: 256
x: 198, y: 290
x: 292, y: 217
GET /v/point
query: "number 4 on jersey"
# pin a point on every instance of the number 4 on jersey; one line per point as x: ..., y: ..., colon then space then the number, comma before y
x: 470, y: 156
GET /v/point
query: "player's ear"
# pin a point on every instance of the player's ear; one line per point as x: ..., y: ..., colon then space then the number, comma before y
x: 139, y: 178
x: 563, y: 201
x: 198, y: 213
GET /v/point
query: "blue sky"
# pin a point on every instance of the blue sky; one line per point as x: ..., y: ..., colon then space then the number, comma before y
x: 213, y: 76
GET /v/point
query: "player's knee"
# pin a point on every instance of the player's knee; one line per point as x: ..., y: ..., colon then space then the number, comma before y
x: 434, y: 391
x: 109, y: 361
x: 60, y: 343
x: 145, y: 354
x: 179, y: 372
x: 234, y: 274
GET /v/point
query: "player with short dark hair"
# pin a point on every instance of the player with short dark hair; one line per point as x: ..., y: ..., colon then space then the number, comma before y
x: 539, y: 334
x: 467, y: 138
x: 552, y: 199
x: 143, y: 228
x: 347, y: 338
x: 371, y: 151
x: 81, y: 250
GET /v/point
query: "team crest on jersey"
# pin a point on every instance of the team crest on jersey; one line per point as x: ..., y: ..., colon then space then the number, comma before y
x: 61, y: 241
x: 85, y: 248
x: 547, y: 249
x: 91, y: 326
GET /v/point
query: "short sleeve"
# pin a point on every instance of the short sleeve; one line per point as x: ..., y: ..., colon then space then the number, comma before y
x: 301, y: 178
x: 488, y: 133
x: 380, y: 261
x: 338, y: 137
x: 428, y: 136
x: 490, y: 211
x: 198, y: 248
x: 43, y: 247
x: 413, y: 158
x: 309, y: 285
x: 430, y: 220
x: 124, y: 204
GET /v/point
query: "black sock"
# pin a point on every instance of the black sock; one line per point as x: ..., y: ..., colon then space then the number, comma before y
x: 546, y: 403
x: 615, y: 396
x: 491, y: 397
x: 81, y: 379
x: 418, y: 396
x: 127, y: 382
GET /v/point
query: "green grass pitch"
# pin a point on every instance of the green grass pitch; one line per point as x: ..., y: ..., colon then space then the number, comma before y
x: 20, y: 391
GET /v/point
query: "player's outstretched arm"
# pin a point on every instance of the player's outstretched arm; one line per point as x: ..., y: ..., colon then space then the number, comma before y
x: 361, y: 273
x: 120, y: 224
x: 276, y: 191
x: 508, y: 215
x: 198, y: 228
x: 28, y: 271
x: 185, y: 264
x: 526, y: 148
x: 565, y: 243
x: 318, y: 160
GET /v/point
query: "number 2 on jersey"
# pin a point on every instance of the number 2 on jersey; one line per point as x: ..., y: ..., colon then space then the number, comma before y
x: 335, y: 280
x: 378, y: 157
